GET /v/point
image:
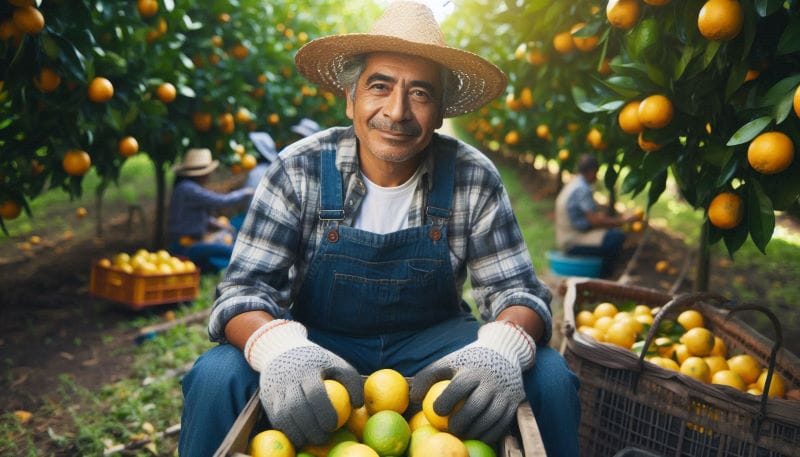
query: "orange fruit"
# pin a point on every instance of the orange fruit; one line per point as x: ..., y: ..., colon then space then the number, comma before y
x: 81, y: 212
x: 526, y: 97
x: 340, y: 400
x: 512, y: 103
x: 725, y: 210
x: 226, y: 123
x: 746, y: 366
x: 729, y: 378
x: 770, y: 152
x: 386, y: 389
x: 239, y: 51
x: 47, y: 80
x: 437, y: 421
x: 512, y: 138
x: 584, y: 44
x: 699, y: 341
x: 777, y: 386
x: 690, y: 319
x: 647, y: 145
x: 166, y: 92
x: 388, y: 433
x: 655, y: 111
x: 796, y: 101
x: 441, y: 444
x: 248, y: 161
x: 100, y: 90
x: 751, y: 75
x: 595, y: 139
x: 562, y: 43
x: 28, y: 20
x: 543, y: 131
x: 147, y: 8
x: 76, y: 162
x: 623, y: 14
x: 202, y: 121
x: 629, y: 118
x: 9, y: 209
x: 696, y: 368
x: 128, y: 146
x: 563, y: 154
x: 271, y: 443
x: 536, y: 57
x: 273, y: 119
x: 720, y: 20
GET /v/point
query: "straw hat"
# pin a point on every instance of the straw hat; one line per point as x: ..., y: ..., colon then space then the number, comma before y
x: 196, y: 162
x: 408, y: 28
x: 306, y: 127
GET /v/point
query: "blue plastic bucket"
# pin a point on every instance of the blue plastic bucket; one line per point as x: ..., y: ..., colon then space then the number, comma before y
x: 567, y: 265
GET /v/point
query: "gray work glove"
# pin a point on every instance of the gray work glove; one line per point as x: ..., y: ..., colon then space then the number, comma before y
x: 486, y: 375
x: 291, y: 390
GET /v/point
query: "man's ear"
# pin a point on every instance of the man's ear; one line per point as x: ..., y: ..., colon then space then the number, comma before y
x: 349, y: 107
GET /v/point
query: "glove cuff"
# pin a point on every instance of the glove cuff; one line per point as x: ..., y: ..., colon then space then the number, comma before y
x: 510, y: 341
x: 272, y: 339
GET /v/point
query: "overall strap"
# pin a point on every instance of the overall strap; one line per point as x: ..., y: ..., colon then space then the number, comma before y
x: 330, y: 184
x: 441, y: 196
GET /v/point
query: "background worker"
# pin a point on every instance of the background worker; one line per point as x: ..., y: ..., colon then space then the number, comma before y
x: 191, y: 229
x: 353, y: 257
x: 583, y: 227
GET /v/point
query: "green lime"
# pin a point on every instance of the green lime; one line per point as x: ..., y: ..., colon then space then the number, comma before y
x: 478, y: 448
x: 388, y: 433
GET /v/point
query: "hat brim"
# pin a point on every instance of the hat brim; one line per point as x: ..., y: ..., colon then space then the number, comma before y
x: 480, y: 81
x: 181, y: 170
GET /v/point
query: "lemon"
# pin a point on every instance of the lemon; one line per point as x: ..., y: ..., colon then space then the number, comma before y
x: 605, y: 309
x: 777, y: 386
x: 388, y: 433
x: 681, y: 353
x: 386, y: 389
x: 746, y: 366
x: 339, y: 436
x: 271, y: 443
x: 729, y: 378
x: 593, y: 332
x: 665, y: 346
x: 418, y: 420
x: 665, y: 363
x: 441, y: 444
x: 642, y: 310
x: 699, y: 341
x: 696, y: 368
x: 418, y: 436
x: 604, y: 323
x: 690, y: 319
x: 720, y: 348
x: 585, y: 318
x: 340, y: 400
x: 716, y: 363
x: 352, y: 449
x: 439, y: 422
x: 621, y: 335
x: 357, y: 420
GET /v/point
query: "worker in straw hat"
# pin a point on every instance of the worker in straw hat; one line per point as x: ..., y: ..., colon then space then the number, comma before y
x: 353, y: 259
x: 191, y: 230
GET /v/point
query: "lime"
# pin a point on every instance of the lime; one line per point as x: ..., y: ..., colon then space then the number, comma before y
x: 477, y: 448
x: 387, y: 432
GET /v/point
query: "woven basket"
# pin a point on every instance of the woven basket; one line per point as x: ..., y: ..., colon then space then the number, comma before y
x: 627, y: 402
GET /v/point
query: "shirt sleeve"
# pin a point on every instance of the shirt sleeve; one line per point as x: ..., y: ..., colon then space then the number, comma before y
x: 257, y: 278
x: 198, y: 195
x: 501, y: 270
x: 581, y: 202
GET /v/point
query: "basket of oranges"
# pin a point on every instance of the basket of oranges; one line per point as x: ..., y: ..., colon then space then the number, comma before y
x: 144, y: 278
x: 678, y: 375
x: 387, y: 425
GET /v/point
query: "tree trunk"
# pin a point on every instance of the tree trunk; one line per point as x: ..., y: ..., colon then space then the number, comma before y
x: 161, y: 194
x: 612, y: 201
x: 99, y: 192
x: 703, y: 261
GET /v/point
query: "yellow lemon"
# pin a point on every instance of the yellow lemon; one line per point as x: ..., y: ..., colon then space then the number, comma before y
x: 665, y: 363
x: 621, y: 335
x: 271, y: 443
x: 642, y: 310
x: 585, y: 318
x: 418, y: 420
x: 357, y: 420
x: 716, y: 363
x: 746, y: 366
x: 729, y: 378
x: 441, y: 444
x: 699, y: 341
x: 339, y: 436
x: 386, y: 389
x: 340, y: 400
x: 419, y: 435
x: 439, y: 422
x: 720, y: 348
x: 696, y: 368
x: 592, y: 332
x: 690, y: 319
x: 681, y: 353
x: 605, y: 309
x: 644, y: 318
x: 352, y: 449
x: 777, y: 386
x: 604, y: 323
x: 664, y: 346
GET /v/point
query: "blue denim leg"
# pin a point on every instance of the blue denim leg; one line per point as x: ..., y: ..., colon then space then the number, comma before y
x: 210, y: 256
x: 214, y: 392
x: 552, y: 390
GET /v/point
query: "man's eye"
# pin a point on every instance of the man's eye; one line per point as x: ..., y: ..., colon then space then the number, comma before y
x: 420, y: 95
x: 379, y: 87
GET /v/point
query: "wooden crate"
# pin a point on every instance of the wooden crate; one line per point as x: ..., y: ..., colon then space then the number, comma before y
x: 138, y: 291
x: 523, y: 440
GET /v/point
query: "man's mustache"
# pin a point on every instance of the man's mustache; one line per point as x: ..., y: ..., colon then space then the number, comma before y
x: 410, y: 129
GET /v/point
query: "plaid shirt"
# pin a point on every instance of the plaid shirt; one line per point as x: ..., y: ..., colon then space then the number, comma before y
x: 282, y: 232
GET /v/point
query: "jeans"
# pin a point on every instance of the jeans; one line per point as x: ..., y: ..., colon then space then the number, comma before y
x: 209, y: 257
x: 221, y: 382
x: 609, y: 250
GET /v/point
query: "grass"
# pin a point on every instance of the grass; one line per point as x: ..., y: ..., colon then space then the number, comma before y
x: 133, y: 409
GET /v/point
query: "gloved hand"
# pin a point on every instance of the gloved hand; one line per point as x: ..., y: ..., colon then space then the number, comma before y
x: 291, y: 390
x: 486, y: 375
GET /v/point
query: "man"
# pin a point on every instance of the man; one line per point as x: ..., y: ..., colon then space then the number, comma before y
x: 583, y: 228
x: 355, y: 250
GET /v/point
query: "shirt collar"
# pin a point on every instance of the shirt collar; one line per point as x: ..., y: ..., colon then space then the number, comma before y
x: 347, y: 155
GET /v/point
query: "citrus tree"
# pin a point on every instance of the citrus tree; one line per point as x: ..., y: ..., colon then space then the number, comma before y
x: 700, y: 90
x: 90, y: 83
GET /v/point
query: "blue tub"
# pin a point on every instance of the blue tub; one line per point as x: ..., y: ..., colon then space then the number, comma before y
x: 567, y: 265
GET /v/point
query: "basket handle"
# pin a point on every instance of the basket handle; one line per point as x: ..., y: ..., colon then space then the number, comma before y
x: 773, y: 356
x: 676, y: 303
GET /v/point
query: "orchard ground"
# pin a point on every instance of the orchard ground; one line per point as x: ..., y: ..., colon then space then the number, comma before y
x: 53, y: 333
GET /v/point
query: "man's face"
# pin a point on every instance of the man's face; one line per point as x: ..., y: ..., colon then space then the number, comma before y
x: 397, y: 106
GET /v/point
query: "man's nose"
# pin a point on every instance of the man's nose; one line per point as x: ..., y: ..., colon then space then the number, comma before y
x: 397, y: 106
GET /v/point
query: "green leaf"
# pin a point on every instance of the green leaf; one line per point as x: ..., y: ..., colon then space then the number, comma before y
x: 734, y: 238
x: 736, y: 79
x: 749, y: 131
x: 657, y: 187
x: 50, y: 46
x: 782, y: 109
x: 729, y: 170
x: 583, y: 103
x: 625, y: 86
x: 760, y: 215
x: 711, y: 50
x: 790, y: 40
x: 776, y: 93
x: 680, y: 66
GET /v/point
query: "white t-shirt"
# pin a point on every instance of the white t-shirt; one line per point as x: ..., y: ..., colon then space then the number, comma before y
x: 385, y: 209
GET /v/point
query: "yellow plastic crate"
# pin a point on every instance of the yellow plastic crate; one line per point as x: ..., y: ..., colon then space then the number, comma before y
x: 138, y: 290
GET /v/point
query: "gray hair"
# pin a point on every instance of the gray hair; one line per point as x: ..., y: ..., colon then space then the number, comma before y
x: 354, y: 67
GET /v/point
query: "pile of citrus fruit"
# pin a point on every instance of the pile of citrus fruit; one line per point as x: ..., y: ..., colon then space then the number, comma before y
x: 383, y: 427
x: 684, y: 345
x: 145, y: 262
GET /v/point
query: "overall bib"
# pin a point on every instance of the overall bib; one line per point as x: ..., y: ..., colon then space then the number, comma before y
x: 365, y: 284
